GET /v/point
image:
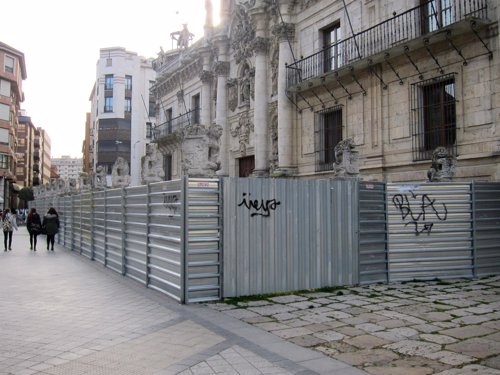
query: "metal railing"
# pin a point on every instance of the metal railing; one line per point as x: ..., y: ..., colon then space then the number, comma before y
x: 168, y: 127
x: 400, y: 29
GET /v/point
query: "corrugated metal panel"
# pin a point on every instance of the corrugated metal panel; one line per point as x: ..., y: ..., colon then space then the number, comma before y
x: 203, y: 253
x: 86, y: 225
x: 135, y: 233
x: 487, y: 228
x: 165, y: 238
x: 373, y: 263
x: 430, y: 231
x: 114, y: 226
x: 99, y: 227
x: 283, y: 235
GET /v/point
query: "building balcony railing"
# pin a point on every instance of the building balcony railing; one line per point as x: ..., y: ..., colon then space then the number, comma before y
x: 371, y: 45
x: 169, y: 127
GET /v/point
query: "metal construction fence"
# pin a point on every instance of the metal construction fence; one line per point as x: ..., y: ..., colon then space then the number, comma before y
x: 164, y: 235
x: 203, y: 239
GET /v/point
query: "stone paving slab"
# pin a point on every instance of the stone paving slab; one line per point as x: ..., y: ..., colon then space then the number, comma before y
x: 62, y: 314
x: 435, y: 327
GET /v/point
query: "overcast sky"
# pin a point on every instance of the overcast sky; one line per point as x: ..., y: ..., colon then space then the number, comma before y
x: 61, y: 40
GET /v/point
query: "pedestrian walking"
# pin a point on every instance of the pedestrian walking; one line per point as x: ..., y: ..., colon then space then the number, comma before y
x: 9, y: 223
x: 51, y: 225
x: 34, y: 225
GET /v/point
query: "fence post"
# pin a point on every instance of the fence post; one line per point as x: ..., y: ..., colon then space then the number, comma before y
x: 92, y: 216
x: 124, y: 232
x: 105, y: 242
x: 473, y: 229
x: 148, y: 230
x: 184, y: 240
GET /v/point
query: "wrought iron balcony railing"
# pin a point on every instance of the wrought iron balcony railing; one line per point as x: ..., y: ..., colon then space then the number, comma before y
x: 424, y: 19
x: 168, y: 127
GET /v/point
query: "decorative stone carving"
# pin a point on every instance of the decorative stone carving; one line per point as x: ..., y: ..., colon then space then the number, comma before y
x: 273, y: 162
x: 152, y: 165
x: 194, y: 130
x: 100, y: 178
x: 73, y: 186
x: 120, y: 175
x: 274, y: 61
x: 232, y: 97
x: 245, y: 86
x: 443, y: 165
x: 180, y: 96
x: 260, y: 45
x: 242, y: 35
x: 61, y: 185
x: 284, y: 31
x: 221, y: 68
x: 206, y: 76
x: 346, y: 159
x: 307, y: 3
x: 183, y: 37
x: 85, y: 182
x: 242, y: 131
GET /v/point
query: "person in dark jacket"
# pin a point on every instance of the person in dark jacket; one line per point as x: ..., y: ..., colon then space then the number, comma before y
x: 34, y: 226
x: 51, y: 226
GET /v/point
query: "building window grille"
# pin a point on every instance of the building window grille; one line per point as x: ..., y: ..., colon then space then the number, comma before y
x: 328, y: 132
x: 433, y: 116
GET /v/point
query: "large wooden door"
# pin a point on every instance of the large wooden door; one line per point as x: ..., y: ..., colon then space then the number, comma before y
x: 246, y: 166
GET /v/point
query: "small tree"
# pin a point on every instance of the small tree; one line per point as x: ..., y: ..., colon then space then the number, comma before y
x: 26, y: 194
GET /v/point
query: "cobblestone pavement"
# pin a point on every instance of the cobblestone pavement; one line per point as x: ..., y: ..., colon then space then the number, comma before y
x: 61, y: 314
x: 413, y: 328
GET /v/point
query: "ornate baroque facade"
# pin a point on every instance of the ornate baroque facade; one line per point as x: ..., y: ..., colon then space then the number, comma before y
x: 277, y: 85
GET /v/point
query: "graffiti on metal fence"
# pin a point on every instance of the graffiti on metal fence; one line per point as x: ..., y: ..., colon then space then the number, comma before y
x: 419, y: 210
x: 171, y: 203
x: 262, y: 207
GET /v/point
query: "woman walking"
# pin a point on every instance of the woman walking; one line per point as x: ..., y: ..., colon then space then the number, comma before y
x: 9, y: 222
x: 51, y: 225
x: 34, y: 226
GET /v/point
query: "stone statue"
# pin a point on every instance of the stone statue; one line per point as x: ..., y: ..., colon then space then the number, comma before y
x: 346, y: 159
x: 182, y: 37
x: 443, y: 165
x: 120, y: 175
x: 100, y: 177
x: 85, y: 181
x: 152, y: 165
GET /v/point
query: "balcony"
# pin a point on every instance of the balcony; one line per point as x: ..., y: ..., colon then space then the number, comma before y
x: 171, y: 128
x: 405, y: 32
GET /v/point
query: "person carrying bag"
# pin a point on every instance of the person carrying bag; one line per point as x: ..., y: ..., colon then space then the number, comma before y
x: 34, y: 226
x: 9, y: 222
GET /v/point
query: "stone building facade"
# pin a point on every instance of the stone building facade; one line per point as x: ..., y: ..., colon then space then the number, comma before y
x: 277, y: 85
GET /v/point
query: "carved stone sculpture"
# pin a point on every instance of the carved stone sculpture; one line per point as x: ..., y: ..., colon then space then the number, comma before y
x: 443, y: 165
x: 152, y: 165
x: 100, y: 178
x: 346, y: 159
x: 242, y: 132
x: 120, y: 176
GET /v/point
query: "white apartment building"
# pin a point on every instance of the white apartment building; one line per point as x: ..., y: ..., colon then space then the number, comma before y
x: 68, y: 167
x: 121, y: 106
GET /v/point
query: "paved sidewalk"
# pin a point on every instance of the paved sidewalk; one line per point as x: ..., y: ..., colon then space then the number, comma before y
x: 63, y: 314
x: 414, y: 328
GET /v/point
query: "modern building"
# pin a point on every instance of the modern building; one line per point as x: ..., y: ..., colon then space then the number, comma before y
x: 12, y: 74
x: 121, y: 105
x: 26, y: 168
x: 68, y: 167
x: 42, y: 157
x: 278, y: 85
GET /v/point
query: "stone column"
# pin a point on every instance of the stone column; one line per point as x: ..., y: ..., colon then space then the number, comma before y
x: 285, y: 33
x: 261, y: 110
x: 222, y: 72
x: 206, y: 80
